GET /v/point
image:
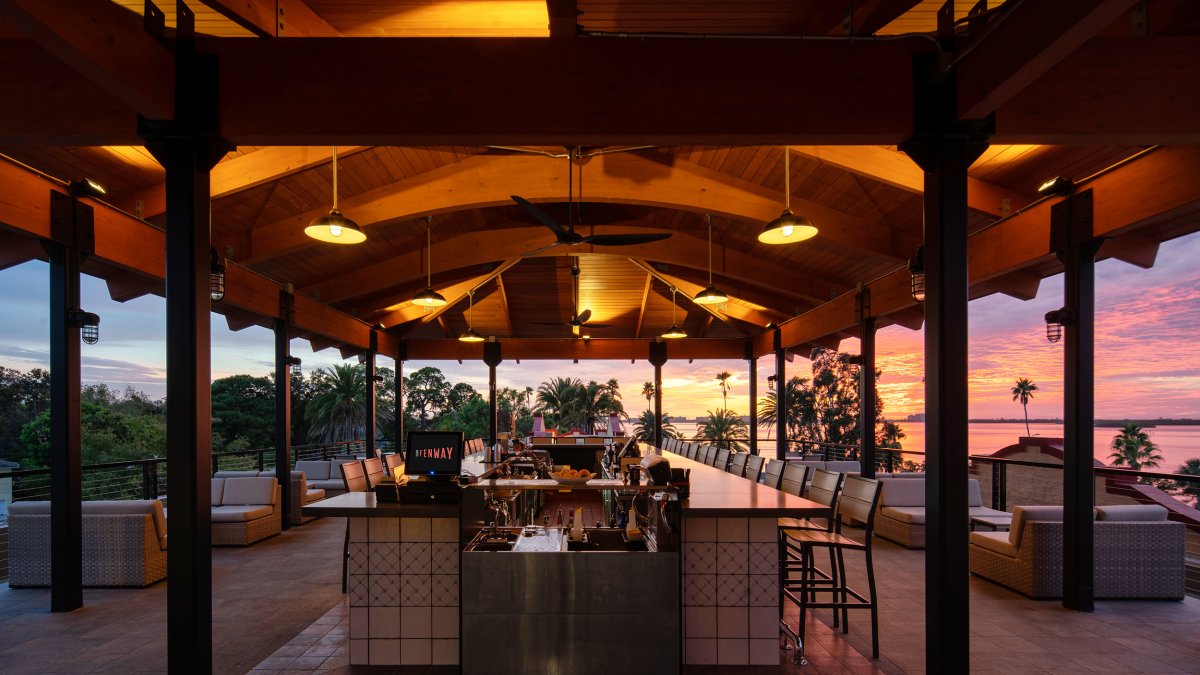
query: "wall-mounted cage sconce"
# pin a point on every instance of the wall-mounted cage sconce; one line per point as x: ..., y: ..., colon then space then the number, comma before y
x: 771, y: 382
x: 1055, y: 320
x: 88, y: 324
x: 294, y: 362
x: 916, y: 267
x: 216, y: 276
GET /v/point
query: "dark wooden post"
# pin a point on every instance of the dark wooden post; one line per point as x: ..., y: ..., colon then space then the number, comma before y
x: 72, y: 235
x: 944, y: 148
x: 752, y: 364
x: 781, y: 402
x: 369, y: 380
x: 283, y: 403
x: 866, y: 383
x: 188, y: 147
x: 1072, y: 240
x: 401, y: 355
x: 658, y: 358
x: 492, y: 357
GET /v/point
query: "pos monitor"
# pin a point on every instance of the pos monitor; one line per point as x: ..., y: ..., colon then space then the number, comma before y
x: 436, y: 454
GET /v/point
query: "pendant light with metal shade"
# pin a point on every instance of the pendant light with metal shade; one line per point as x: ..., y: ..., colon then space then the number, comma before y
x: 710, y: 295
x: 674, y: 332
x: 335, y: 228
x: 787, y: 228
x: 470, y: 335
x: 429, y: 297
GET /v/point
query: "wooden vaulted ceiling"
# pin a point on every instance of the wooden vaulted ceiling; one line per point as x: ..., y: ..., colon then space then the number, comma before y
x: 866, y: 199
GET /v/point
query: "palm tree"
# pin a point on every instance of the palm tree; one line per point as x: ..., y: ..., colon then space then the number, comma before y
x: 723, y: 379
x: 595, y: 402
x: 890, y: 435
x: 557, y: 399
x: 1023, y: 392
x: 1189, y: 489
x: 801, y: 417
x: 643, y: 428
x: 1132, y: 447
x: 648, y: 393
x: 723, y: 429
x: 337, y: 411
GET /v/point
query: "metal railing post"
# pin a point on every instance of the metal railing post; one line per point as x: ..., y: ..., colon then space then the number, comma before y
x: 146, y: 480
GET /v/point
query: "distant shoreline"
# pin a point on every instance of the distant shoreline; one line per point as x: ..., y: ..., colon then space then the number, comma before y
x: 1105, y: 423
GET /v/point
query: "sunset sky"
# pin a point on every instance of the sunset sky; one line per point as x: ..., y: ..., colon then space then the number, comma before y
x: 1148, y: 356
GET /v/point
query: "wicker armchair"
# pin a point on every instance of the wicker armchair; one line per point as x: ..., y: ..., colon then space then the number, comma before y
x: 243, y: 511
x: 124, y: 543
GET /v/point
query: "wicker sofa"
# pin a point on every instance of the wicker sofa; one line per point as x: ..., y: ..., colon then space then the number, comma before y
x: 299, y: 494
x: 323, y: 474
x: 244, y: 510
x: 902, y: 510
x: 124, y: 543
x: 1138, y: 553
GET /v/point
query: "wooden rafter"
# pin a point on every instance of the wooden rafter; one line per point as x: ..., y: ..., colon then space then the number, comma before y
x: 275, y: 18
x: 470, y: 249
x: 1022, y: 44
x: 573, y: 348
x: 237, y: 174
x: 733, y: 310
x: 637, y: 333
x: 103, y: 43
x: 507, y: 311
x: 896, y: 169
x: 454, y: 295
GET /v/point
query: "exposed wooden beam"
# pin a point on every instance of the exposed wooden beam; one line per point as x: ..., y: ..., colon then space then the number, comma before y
x: 237, y: 174
x: 868, y: 16
x: 503, y: 297
x: 407, y: 311
x: 106, y: 45
x: 126, y: 244
x: 470, y: 249
x: 1022, y: 42
x: 275, y: 18
x: 1144, y: 191
x: 637, y: 333
x: 734, y: 309
x: 16, y: 250
x: 704, y: 326
x: 126, y: 286
x: 1113, y: 90
x: 564, y: 18
x: 650, y: 180
x: 1133, y: 248
x: 441, y: 321
x: 535, y: 349
x: 895, y: 168
x: 1020, y: 284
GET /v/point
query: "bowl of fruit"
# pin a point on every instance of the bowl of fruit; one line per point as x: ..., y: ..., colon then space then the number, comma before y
x: 569, y: 476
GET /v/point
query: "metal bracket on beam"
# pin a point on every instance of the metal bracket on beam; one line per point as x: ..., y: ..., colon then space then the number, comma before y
x: 72, y: 223
x: 658, y: 354
x: 492, y: 356
x: 862, y: 307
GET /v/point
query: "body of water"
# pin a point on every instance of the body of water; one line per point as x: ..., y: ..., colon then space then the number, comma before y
x: 1176, y: 444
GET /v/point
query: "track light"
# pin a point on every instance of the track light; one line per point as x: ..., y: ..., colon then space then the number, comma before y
x: 85, y: 187
x: 1057, y: 187
x: 88, y: 324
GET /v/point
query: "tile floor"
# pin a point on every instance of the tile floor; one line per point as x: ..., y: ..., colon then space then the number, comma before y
x: 294, y: 621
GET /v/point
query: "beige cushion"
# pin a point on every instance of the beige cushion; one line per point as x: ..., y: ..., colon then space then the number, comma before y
x: 994, y: 541
x: 313, y: 496
x: 985, y: 512
x: 1026, y: 513
x: 913, y: 515
x: 257, y: 490
x: 903, y: 493
x: 844, y: 467
x: 239, y: 513
x: 329, y: 484
x: 218, y: 490
x: 315, y: 469
x: 235, y: 474
x: 974, y: 498
x: 1132, y: 512
x: 151, y: 507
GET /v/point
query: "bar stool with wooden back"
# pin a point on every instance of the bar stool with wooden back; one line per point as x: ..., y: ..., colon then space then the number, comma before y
x: 754, y: 466
x: 392, y: 462
x: 737, y: 464
x: 773, y: 473
x: 374, y: 471
x: 356, y: 481
x: 823, y: 488
x: 722, y: 459
x: 857, y: 501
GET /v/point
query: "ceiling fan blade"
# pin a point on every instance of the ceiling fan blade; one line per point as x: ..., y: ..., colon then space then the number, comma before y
x: 547, y: 323
x: 584, y: 316
x: 623, y: 239
x: 540, y: 250
x: 599, y: 325
x: 541, y: 216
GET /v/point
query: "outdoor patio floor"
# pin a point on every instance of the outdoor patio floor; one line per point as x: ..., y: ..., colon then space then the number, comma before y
x: 278, y: 608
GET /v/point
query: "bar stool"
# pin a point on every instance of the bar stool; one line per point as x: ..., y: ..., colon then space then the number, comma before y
x: 754, y: 466
x: 858, y: 499
x: 773, y: 473
x: 392, y: 462
x: 374, y: 471
x: 355, y: 480
x: 722, y: 459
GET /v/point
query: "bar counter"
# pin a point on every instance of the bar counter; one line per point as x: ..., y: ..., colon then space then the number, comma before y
x: 404, y: 563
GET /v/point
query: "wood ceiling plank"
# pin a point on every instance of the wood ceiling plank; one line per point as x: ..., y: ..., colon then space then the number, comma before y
x: 637, y: 332
x: 533, y: 349
x: 275, y: 18
x: 507, y: 313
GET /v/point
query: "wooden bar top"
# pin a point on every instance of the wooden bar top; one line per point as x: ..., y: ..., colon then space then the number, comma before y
x: 715, y: 493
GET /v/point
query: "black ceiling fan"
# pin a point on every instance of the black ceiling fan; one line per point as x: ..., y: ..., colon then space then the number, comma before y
x: 578, y: 318
x: 565, y: 235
